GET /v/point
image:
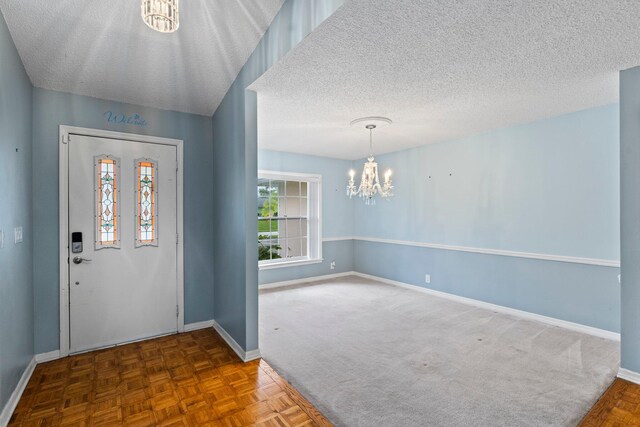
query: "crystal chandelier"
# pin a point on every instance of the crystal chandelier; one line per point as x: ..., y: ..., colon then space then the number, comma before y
x: 370, y: 183
x: 161, y: 15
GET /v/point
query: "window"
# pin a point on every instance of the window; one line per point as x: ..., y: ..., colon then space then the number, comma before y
x: 288, y: 219
x: 146, y: 203
x: 107, y: 173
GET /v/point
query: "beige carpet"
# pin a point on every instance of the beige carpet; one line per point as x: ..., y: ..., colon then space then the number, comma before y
x: 371, y: 354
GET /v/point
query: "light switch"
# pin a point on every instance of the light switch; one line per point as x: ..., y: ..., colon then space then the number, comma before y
x: 18, y: 234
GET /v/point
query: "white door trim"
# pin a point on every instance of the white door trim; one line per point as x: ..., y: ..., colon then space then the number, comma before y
x: 65, y: 131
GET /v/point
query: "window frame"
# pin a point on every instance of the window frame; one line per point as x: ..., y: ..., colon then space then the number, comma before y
x: 314, y: 218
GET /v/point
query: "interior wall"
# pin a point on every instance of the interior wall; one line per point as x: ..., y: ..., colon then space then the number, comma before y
x: 235, y: 172
x: 52, y: 109
x: 630, y: 216
x: 337, y: 213
x: 549, y: 187
x: 16, y: 280
x: 536, y: 187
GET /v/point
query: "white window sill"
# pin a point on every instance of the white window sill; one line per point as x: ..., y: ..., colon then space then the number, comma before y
x: 271, y: 266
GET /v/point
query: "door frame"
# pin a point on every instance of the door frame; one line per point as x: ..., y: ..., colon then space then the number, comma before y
x: 65, y: 132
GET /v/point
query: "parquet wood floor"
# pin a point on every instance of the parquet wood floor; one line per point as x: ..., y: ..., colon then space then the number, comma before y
x: 190, y: 379
x: 618, y: 406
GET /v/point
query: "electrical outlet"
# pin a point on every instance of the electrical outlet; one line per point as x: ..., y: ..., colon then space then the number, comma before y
x: 17, y: 233
x: 427, y: 278
x: 333, y: 265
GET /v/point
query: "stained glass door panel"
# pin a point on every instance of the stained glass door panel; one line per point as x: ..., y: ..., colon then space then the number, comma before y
x: 107, y: 186
x: 146, y: 174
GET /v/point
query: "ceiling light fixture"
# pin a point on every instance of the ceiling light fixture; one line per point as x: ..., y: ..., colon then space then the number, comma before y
x: 370, y: 183
x: 161, y: 15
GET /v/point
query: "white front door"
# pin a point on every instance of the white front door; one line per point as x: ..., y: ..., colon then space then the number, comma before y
x: 123, y: 275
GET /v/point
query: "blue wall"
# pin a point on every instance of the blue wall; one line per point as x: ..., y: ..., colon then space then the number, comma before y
x: 548, y: 187
x: 630, y: 216
x: 52, y: 109
x: 235, y: 172
x: 585, y: 294
x: 337, y: 212
x: 16, y: 281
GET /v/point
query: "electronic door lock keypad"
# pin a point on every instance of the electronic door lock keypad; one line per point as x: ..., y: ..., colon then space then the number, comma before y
x: 76, y: 242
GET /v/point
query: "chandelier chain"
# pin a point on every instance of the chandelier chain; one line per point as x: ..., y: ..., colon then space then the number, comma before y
x: 370, y: 142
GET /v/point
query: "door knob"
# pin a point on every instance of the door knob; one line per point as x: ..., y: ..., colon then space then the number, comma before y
x: 80, y: 260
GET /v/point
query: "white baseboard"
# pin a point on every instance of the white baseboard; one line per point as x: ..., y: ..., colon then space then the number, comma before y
x: 628, y: 375
x: 47, y: 357
x: 198, y: 325
x: 577, y: 327
x: 8, y: 409
x: 284, y: 284
x: 54, y: 355
x: 245, y: 356
x: 469, y: 301
x: 252, y: 355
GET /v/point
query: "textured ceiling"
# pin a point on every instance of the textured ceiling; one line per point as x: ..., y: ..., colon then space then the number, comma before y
x: 443, y: 70
x: 103, y: 49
